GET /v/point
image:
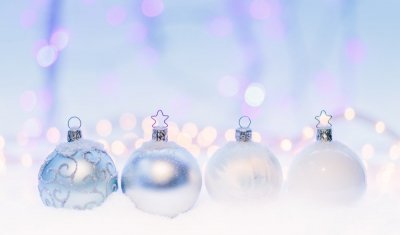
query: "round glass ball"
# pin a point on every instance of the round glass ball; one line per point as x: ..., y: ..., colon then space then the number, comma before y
x: 162, y: 178
x: 82, y: 179
x: 243, y: 171
x: 327, y: 171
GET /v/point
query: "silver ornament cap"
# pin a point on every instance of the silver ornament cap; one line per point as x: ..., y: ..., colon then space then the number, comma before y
x: 74, y: 133
x: 160, y: 126
x: 324, y: 127
x: 244, y: 133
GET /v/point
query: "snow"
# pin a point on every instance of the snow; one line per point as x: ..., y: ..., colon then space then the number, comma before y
x: 69, y: 148
x: 22, y: 212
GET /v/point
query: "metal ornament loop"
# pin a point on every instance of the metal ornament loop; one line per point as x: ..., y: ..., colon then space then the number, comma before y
x: 74, y: 117
x: 241, y: 119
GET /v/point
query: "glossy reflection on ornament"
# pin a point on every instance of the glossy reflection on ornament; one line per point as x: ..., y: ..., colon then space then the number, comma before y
x: 161, y: 177
x: 243, y: 170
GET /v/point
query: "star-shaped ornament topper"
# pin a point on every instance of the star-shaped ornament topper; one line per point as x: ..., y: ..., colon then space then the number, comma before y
x: 323, y: 120
x: 160, y: 119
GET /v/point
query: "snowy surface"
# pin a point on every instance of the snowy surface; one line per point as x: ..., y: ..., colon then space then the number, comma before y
x: 21, y: 212
x: 69, y: 148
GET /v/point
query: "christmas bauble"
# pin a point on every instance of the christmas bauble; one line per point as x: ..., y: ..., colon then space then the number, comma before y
x: 327, y: 170
x: 243, y: 170
x: 161, y: 177
x: 78, y: 174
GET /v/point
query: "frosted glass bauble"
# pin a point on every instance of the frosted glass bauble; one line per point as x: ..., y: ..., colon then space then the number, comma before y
x: 327, y: 171
x: 243, y: 171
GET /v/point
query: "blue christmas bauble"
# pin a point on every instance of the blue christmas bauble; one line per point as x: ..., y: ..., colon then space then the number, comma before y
x: 78, y: 175
x: 162, y: 178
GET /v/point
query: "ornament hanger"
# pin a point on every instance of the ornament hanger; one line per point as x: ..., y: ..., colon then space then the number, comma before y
x: 74, y: 117
x: 323, y: 120
x: 160, y: 117
x: 243, y: 133
x: 160, y: 132
x: 74, y: 133
x: 324, y: 130
x: 241, y: 122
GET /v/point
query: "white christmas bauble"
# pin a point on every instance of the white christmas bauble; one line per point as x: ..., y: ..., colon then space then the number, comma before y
x: 162, y: 178
x: 327, y: 171
x: 243, y: 171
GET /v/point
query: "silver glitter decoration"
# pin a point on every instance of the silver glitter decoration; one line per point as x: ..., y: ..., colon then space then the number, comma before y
x: 77, y: 174
x: 324, y: 134
x: 162, y: 178
x: 160, y: 134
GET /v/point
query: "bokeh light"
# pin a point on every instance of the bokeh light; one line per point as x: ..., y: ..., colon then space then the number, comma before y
x: 26, y: 160
x: 207, y: 136
x: 152, y: 8
x: 59, y: 39
x: 256, y: 137
x: 184, y: 139
x: 46, y: 55
x: 308, y: 132
x: 260, y: 9
x: 127, y: 121
x: 394, y: 152
x: 118, y: 148
x: 53, y: 135
x: 194, y: 150
x: 367, y: 151
x: 254, y: 94
x: 349, y: 114
x: 380, y: 127
x: 230, y: 135
x: 147, y: 126
x: 104, y: 128
x: 286, y: 145
x: 191, y: 129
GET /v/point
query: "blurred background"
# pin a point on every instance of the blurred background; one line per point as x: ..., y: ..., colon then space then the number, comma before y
x: 205, y: 63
